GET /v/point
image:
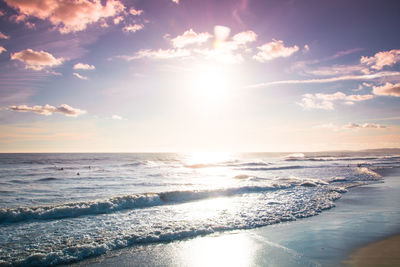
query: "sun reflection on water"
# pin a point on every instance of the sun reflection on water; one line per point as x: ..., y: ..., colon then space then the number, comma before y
x: 225, y: 250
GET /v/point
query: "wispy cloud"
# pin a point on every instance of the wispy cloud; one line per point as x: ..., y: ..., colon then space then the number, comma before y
x: 190, y: 37
x: 330, y: 80
x: 2, y: 49
x: 352, y: 125
x: 388, y: 89
x: 118, y: 19
x: 158, y: 54
x: 133, y: 28
x: 274, y: 49
x: 80, y: 76
x: 49, y: 110
x: 382, y: 59
x: 3, y: 36
x: 83, y: 66
x: 68, y: 16
x: 37, y: 60
x: 116, y: 117
x: 325, y: 101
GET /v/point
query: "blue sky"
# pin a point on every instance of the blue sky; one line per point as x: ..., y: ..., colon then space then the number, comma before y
x: 163, y: 75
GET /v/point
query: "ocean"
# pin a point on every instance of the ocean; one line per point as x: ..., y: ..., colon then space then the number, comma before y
x: 61, y: 208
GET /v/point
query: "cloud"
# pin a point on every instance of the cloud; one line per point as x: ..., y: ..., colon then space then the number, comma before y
x: 220, y: 55
x: 388, y: 89
x: 242, y: 38
x: 133, y: 28
x: 2, y: 49
x: 159, y: 54
x: 80, y: 76
x: 116, y: 117
x: 135, y: 12
x: 273, y: 50
x: 83, y: 66
x: 330, y: 80
x: 68, y: 15
x: 49, y: 110
x: 175, y: 1
x: 325, y: 101
x: 118, y: 19
x: 190, y: 37
x: 352, y: 125
x: 3, y: 36
x: 36, y: 60
x: 311, y: 102
x: 382, y: 59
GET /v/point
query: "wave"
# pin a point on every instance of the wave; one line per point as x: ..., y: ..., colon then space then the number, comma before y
x: 343, y: 158
x: 273, y: 168
x: 78, y: 250
x: 114, y: 204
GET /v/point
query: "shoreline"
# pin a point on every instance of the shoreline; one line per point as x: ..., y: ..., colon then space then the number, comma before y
x: 364, y: 215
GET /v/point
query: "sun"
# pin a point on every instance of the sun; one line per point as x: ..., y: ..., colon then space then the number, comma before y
x: 211, y: 84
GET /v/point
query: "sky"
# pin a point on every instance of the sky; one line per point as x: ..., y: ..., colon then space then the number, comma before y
x: 190, y: 75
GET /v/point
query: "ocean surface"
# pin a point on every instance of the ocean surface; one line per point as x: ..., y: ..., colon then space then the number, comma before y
x: 62, y: 208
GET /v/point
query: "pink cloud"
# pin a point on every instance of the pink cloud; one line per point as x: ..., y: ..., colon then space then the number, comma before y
x: 2, y: 49
x: 36, y: 60
x: 49, y: 110
x: 118, y: 19
x: 388, y: 89
x: 3, y: 36
x: 175, y: 1
x: 83, y: 66
x: 244, y: 37
x: 273, y: 50
x: 133, y: 28
x: 135, y: 12
x: 382, y: 59
x: 68, y: 15
x: 190, y: 37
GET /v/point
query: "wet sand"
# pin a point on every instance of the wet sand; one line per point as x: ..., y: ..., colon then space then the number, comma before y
x: 381, y: 253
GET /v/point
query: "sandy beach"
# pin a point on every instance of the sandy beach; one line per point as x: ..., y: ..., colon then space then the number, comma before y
x: 382, y: 253
x: 338, y: 237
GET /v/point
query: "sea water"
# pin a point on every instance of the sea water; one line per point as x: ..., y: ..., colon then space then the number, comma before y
x: 62, y: 208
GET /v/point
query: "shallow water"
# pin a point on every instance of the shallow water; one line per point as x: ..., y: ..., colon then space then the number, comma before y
x: 51, y: 215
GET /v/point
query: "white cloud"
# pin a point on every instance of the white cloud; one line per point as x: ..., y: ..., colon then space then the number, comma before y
x: 325, y: 101
x: 3, y: 36
x: 382, y: 59
x: 48, y: 110
x: 190, y: 37
x: 273, y: 50
x: 2, y: 49
x: 36, y: 60
x: 83, y: 66
x: 135, y: 12
x: 68, y: 16
x: 80, y: 76
x: 175, y: 1
x: 352, y: 125
x: 133, y: 28
x: 220, y: 55
x: 159, y: 54
x: 242, y: 38
x: 388, y: 89
x: 331, y: 80
x: 116, y: 117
